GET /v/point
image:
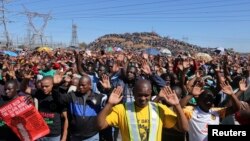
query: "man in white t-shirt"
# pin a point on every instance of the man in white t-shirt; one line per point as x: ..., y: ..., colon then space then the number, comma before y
x: 204, y: 113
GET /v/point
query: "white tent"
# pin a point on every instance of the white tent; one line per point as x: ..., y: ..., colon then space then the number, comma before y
x: 166, y: 51
x: 220, y: 50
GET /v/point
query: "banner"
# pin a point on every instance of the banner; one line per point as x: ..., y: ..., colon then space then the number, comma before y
x: 24, y: 119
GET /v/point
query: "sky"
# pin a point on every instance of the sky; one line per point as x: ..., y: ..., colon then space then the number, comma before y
x: 207, y: 23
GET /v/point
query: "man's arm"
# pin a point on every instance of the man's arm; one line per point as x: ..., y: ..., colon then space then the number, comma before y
x: 242, y: 88
x: 25, y: 82
x: 196, y: 91
x: 101, y: 118
x: 184, y: 101
x: 182, y: 122
x: 79, y: 64
x: 114, y: 99
x: 65, y: 126
x: 227, y: 89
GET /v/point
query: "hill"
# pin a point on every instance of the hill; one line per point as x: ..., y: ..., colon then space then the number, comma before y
x: 143, y: 40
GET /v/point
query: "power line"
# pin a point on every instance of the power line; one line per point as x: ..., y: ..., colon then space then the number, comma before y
x: 162, y: 20
x: 167, y: 12
x: 173, y: 13
x: 24, y: 3
x: 150, y: 3
x: 125, y: 6
x: 81, y: 4
x: 168, y: 17
x: 132, y: 15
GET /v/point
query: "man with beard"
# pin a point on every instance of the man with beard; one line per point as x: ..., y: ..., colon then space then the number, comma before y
x: 204, y: 113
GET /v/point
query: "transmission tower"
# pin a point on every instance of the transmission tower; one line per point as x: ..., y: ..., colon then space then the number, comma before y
x: 4, y: 21
x: 28, y: 38
x: 37, y: 32
x: 74, y: 38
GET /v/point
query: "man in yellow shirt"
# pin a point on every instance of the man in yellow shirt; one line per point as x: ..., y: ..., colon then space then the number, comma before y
x: 142, y: 120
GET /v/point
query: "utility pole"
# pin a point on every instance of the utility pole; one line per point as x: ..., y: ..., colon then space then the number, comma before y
x: 17, y: 41
x: 74, y: 38
x: 28, y: 38
x: 6, y: 33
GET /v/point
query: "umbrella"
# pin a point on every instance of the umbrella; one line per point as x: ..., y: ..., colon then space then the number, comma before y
x: 10, y: 53
x: 203, y: 56
x: 46, y: 49
x: 166, y: 51
x: 152, y: 51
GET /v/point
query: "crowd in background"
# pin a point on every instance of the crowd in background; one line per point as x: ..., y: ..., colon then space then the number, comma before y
x: 74, y: 86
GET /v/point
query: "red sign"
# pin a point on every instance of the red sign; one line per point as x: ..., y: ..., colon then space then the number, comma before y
x: 24, y: 120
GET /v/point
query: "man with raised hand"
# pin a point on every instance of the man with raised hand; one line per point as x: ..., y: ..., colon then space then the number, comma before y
x: 142, y: 120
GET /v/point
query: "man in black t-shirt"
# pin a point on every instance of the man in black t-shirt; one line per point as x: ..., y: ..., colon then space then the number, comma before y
x: 10, y: 93
x: 50, y: 108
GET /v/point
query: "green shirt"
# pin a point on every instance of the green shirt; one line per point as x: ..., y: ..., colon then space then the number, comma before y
x: 48, y: 73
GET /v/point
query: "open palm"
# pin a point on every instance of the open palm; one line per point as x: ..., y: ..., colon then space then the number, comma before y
x: 116, y: 96
x: 226, y: 88
x: 243, y: 85
x: 169, y: 95
x: 105, y: 82
x: 197, y: 90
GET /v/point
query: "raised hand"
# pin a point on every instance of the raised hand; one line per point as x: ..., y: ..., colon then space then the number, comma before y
x: 217, y: 69
x: 145, y: 56
x: 120, y: 57
x: 105, y: 82
x: 28, y: 75
x: 226, y: 88
x: 129, y: 56
x: 116, y: 96
x: 28, y: 99
x: 169, y: 95
x: 198, y: 73
x: 57, y: 79
x: 197, y: 89
x: 145, y: 67
x: 243, y: 85
x: 116, y: 67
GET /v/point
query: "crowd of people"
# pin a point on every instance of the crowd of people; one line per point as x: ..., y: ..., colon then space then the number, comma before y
x: 91, y: 95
